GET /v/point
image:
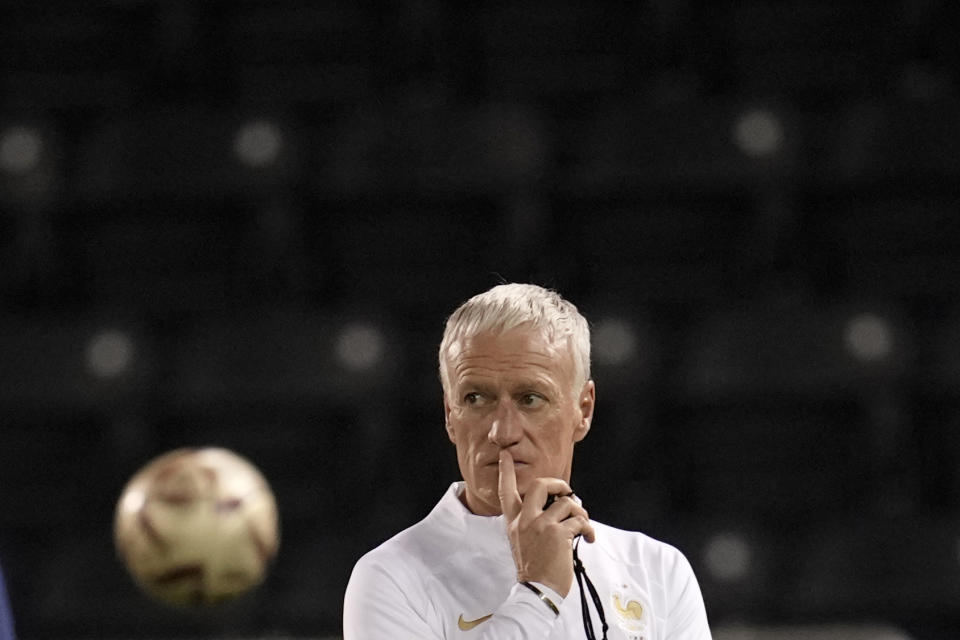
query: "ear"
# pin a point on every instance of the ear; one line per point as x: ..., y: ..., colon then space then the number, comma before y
x: 586, y: 403
x: 446, y: 419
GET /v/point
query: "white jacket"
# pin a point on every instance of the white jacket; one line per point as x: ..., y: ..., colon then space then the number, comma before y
x: 442, y: 577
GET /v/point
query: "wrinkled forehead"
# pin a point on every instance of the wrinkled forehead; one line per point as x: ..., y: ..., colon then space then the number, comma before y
x: 522, y: 341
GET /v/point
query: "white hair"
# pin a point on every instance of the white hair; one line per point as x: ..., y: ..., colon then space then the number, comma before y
x: 508, y: 306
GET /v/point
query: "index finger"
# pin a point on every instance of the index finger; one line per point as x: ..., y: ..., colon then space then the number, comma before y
x: 510, y: 502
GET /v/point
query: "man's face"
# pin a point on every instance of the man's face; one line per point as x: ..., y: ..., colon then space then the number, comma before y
x: 513, y: 391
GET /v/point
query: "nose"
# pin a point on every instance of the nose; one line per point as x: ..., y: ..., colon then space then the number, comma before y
x: 505, y: 430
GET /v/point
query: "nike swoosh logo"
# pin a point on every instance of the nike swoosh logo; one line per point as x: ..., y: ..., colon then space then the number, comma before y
x: 466, y: 625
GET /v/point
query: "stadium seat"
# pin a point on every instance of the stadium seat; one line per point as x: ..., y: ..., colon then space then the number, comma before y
x: 904, y: 566
x: 798, y: 351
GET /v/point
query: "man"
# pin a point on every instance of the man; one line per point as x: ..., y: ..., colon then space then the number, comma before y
x: 494, y: 559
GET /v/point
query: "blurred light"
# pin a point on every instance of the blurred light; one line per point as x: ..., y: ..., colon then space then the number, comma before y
x: 758, y: 133
x: 258, y: 143
x: 869, y: 337
x: 20, y: 149
x: 360, y: 346
x: 614, y: 342
x: 110, y: 353
x: 728, y: 557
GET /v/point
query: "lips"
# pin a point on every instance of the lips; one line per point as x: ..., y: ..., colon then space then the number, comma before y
x: 516, y: 463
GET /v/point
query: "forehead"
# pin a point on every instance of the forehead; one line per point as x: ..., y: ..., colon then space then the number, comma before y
x: 519, y: 352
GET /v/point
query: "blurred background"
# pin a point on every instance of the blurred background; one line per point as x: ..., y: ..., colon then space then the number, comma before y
x: 244, y: 223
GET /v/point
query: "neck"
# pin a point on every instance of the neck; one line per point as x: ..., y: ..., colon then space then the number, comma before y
x: 484, y: 512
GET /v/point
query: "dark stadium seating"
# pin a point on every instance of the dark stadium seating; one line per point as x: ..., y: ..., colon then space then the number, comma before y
x: 244, y: 223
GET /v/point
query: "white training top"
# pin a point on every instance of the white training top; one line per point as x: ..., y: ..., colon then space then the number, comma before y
x: 445, y: 575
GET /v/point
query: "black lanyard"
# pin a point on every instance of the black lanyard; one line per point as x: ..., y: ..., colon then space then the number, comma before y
x: 581, y: 573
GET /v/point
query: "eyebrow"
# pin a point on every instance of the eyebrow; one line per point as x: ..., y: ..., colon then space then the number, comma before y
x: 471, y: 384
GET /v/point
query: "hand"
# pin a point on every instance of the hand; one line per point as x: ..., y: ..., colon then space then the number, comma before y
x: 541, y: 540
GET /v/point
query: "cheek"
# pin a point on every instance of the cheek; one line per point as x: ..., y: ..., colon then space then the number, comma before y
x: 555, y: 439
x: 554, y: 430
x: 463, y: 435
x: 454, y: 423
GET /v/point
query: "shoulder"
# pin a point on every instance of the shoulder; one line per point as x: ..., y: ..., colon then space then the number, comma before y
x: 388, y: 593
x: 636, y: 548
x: 405, y: 552
x: 394, y: 575
x: 419, y: 549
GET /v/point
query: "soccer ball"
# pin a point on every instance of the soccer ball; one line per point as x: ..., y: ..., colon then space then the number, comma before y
x: 197, y: 526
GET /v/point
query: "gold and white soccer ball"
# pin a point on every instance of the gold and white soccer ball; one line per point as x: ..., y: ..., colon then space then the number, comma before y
x: 197, y: 526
